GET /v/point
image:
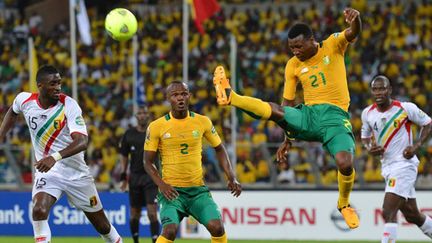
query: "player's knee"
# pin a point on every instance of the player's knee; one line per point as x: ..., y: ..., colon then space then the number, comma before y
x: 344, y: 162
x: 277, y: 112
x: 170, y: 231
x: 40, y: 212
x: 215, y: 227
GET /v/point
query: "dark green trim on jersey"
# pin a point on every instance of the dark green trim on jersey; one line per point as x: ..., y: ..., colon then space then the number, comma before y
x: 191, y: 114
x: 167, y: 117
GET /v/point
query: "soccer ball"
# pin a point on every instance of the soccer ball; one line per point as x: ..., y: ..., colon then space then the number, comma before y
x: 120, y: 24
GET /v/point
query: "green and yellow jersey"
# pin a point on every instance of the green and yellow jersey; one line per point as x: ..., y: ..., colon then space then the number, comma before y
x: 179, y: 142
x: 323, y: 76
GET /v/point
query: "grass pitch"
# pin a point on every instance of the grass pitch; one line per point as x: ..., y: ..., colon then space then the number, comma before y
x: 13, y: 239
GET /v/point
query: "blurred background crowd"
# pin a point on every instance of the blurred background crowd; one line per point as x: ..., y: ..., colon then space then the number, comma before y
x: 396, y: 41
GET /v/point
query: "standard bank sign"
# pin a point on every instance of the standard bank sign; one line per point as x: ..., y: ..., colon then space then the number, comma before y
x: 64, y: 220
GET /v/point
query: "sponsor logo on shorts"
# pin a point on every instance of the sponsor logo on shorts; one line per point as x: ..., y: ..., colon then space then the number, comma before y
x: 93, y: 201
x: 392, y: 182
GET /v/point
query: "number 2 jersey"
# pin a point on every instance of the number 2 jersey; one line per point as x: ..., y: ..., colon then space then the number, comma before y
x: 179, y: 142
x: 51, y: 129
x: 391, y: 129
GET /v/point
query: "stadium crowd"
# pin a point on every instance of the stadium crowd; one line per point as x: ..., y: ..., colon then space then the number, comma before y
x: 396, y: 41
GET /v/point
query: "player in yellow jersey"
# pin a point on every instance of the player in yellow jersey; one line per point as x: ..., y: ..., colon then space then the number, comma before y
x: 182, y: 192
x: 320, y: 69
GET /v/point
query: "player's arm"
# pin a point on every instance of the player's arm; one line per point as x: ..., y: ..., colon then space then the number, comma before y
x: 149, y: 165
x: 7, y: 123
x: 367, y: 138
x: 225, y: 164
x: 352, y: 17
x: 425, y: 132
x: 372, y: 147
x: 287, y: 100
x: 79, y: 144
x: 420, y: 118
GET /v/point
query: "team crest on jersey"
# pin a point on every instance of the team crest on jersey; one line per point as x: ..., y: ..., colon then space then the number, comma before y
x: 93, y: 201
x: 167, y: 135
x: 326, y: 60
x: 57, y: 124
x: 392, y: 182
x: 304, y: 70
x: 80, y: 121
x: 383, y: 120
x: 213, y: 130
x: 195, y: 133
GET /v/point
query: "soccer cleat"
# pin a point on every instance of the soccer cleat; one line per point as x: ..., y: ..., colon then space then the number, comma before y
x: 350, y: 216
x: 222, y: 86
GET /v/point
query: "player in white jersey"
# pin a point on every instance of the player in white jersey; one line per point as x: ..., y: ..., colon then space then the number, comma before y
x: 386, y: 132
x: 59, y: 138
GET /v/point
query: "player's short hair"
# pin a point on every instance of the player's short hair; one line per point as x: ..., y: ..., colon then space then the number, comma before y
x: 383, y: 78
x: 300, y: 29
x: 45, y: 70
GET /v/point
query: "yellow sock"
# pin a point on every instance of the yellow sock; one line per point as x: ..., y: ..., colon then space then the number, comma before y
x: 162, y: 239
x: 220, y: 239
x: 345, y: 187
x: 256, y: 108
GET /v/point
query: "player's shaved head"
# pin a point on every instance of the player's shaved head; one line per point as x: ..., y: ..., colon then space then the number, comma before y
x: 382, y: 78
x: 175, y: 83
x: 300, y: 29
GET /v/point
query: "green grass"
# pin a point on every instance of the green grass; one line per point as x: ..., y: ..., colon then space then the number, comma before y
x: 145, y: 240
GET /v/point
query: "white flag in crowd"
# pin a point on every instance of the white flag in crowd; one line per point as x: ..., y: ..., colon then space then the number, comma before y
x: 83, y: 22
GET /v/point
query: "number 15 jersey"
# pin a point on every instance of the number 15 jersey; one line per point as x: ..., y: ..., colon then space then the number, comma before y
x: 51, y: 129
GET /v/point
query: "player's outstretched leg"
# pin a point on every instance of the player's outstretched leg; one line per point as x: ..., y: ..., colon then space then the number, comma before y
x: 256, y: 108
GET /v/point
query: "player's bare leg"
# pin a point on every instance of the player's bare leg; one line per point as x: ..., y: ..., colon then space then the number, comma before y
x: 414, y: 216
x: 154, y: 223
x: 42, y: 203
x: 103, y: 226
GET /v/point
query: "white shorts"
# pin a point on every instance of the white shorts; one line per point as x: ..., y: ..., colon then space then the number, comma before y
x: 400, y: 180
x: 81, y: 193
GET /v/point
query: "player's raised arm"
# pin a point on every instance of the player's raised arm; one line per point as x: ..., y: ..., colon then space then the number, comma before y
x: 225, y: 164
x: 352, y: 17
x: 7, y: 123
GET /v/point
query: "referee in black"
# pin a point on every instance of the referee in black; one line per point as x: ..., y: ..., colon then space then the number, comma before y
x: 142, y: 190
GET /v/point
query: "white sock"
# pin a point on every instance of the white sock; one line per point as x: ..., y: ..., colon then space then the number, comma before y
x: 427, y: 227
x: 112, y: 236
x: 41, y: 231
x: 390, y: 233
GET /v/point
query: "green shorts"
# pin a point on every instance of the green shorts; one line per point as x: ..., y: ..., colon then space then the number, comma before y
x: 323, y: 123
x: 192, y: 201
